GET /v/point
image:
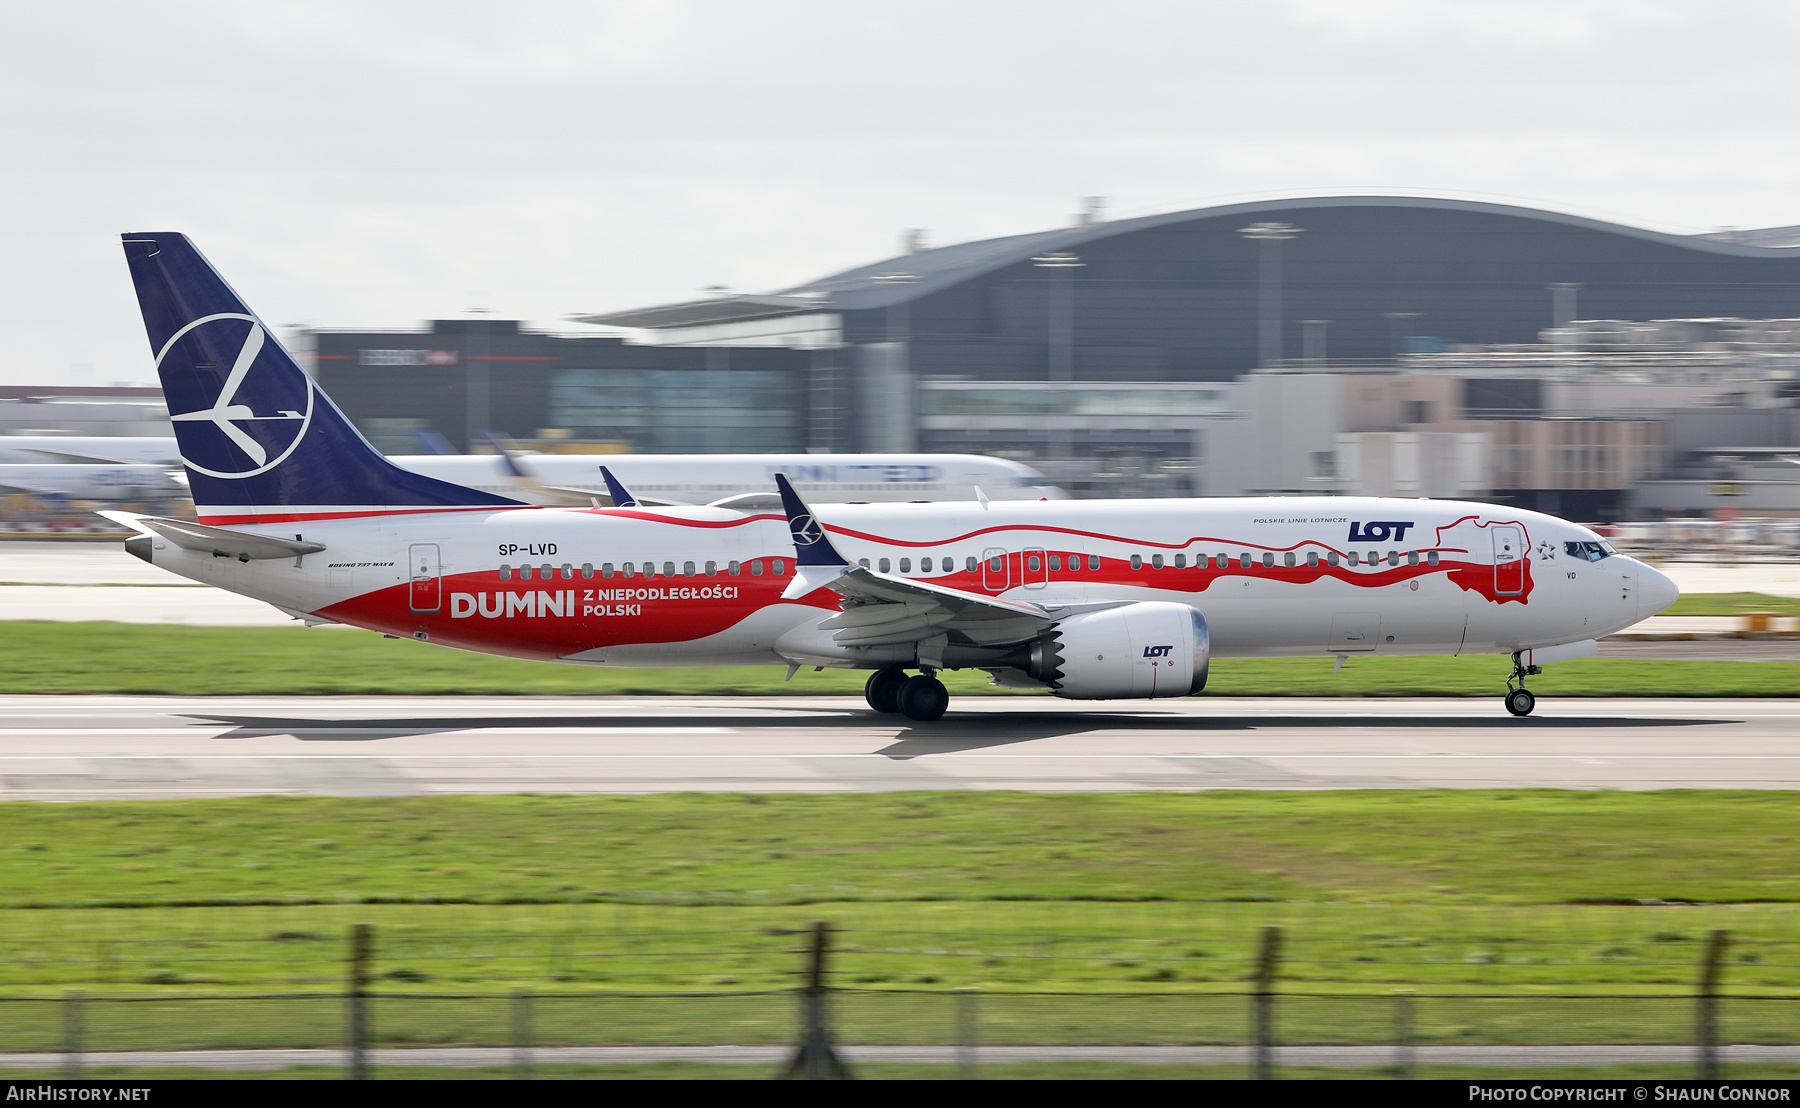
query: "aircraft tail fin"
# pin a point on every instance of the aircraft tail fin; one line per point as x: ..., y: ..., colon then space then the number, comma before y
x: 260, y: 440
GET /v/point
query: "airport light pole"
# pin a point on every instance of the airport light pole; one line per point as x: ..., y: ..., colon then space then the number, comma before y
x: 479, y: 398
x: 901, y: 398
x: 1061, y: 266
x: 1271, y: 236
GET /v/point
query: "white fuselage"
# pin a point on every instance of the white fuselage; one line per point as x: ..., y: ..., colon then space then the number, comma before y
x: 705, y: 478
x: 702, y: 586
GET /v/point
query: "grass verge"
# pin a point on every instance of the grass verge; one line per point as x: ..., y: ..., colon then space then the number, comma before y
x: 123, y: 658
x: 1462, y: 846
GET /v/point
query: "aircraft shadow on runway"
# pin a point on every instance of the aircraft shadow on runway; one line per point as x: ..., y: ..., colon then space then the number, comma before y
x: 953, y: 734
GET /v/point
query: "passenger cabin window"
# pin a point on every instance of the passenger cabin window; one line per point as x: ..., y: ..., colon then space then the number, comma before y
x: 756, y: 567
x: 606, y: 569
x: 506, y: 573
x: 687, y: 569
x: 885, y: 565
x: 587, y: 569
x: 1332, y: 558
x: 734, y: 568
x: 669, y: 569
x: 627, y: 570
x: 995, y: 565
x: 1432, y: 557
x: 568, y: 572
x: 1412, y: 558
x: 1137, y: 561
x: 1180, y: 561
x: 924, y: 565
x: 1055, y: 562
x: 1156, y: 561
x: 1288, y: 558
x: 1355, y: 559
x: 712, y: 569
x: 1033, y: 564
x: 1312, y: 558
x: 969, y: 564
x: 1093, y: 561
x: 778, y: 567
x: 906, y: 565
x: 863, y: 562
x: 1269, y: 560
x: 1393, y: 557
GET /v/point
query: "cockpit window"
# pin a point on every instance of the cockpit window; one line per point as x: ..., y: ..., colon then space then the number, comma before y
x: 1589, y: 551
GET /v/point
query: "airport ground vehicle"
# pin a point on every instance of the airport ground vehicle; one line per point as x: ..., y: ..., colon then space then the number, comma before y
x: 1089, y: 599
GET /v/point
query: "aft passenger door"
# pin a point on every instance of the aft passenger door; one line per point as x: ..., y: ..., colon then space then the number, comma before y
x: 1509, y: 559
x: 422, y: 573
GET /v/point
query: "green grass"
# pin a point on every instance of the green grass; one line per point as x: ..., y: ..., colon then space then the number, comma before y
x: 1733, y: 603
x: 115, y: 658
x: 1475, y: 846
x: 891, y: 1071
x: 1109, y: 918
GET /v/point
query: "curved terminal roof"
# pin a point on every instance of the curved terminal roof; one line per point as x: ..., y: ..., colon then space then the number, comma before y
x: 911, y: 276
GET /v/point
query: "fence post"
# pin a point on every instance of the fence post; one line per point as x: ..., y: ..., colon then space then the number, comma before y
x: 965, y: 1033
x: 1403, y: 1034
x: 1262, y: 1004
x: 362, y: 951
x: 815, y: 1060
x: 521, y: 1033
x: 73, y: 1034
x: 1706, y: 1020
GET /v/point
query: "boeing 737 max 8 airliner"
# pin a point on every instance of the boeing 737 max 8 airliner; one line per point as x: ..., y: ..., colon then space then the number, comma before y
x: 1088, y: 599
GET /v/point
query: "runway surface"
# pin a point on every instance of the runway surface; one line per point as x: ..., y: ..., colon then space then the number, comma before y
x: 89, y: 748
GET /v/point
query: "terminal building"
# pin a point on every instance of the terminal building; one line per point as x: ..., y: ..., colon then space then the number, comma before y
x: 1121, y: 357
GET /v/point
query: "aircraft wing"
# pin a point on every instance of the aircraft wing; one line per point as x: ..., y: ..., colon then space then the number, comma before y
x: 879, y: 609
x: 70, y: 457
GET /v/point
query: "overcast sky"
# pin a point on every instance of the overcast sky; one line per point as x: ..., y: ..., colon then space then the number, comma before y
x: 379, y: 164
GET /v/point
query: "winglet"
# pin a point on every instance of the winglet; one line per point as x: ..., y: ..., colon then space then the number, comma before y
x: 811, y: 546
x: 620, y: 497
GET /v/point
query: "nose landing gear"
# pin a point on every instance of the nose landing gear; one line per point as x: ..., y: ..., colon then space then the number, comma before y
x: 891, y: 691
x: 1519, y: 701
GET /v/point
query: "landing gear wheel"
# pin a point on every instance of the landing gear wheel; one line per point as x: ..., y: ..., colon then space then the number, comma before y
x: 883, y: 689
x: 924, y: 698
x: 1520, y: 702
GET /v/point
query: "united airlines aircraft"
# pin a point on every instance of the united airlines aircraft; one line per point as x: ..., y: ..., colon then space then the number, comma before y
x: 1087, y: 599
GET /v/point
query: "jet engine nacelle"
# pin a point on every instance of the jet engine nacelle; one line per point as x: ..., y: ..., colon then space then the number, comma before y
x: 1137, y: 651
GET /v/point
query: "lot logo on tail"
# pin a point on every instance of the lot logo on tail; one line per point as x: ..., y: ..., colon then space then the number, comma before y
x: 1380, y: 531
x: 221, y: 356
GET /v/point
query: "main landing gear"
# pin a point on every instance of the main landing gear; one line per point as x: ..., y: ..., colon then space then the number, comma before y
x: 1519, y: 701
x: 921, y: 697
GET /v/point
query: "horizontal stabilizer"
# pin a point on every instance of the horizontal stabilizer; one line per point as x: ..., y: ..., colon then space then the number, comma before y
x: 224, y: 542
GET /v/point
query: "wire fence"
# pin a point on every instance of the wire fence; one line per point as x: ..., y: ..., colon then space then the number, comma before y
x: 1272, y: 1000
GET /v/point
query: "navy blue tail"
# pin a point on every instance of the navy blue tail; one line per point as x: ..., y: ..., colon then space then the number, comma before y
x: 255, y: 431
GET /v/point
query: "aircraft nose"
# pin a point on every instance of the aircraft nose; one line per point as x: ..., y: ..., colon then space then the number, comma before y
x: 1655, y: 591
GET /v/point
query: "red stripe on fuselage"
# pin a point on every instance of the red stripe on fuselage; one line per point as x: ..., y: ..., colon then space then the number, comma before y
x: 479, y: 611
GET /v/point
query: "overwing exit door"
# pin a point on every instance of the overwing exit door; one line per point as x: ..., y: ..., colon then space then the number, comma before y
x: 422, y: 572
x: 996, y: 575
